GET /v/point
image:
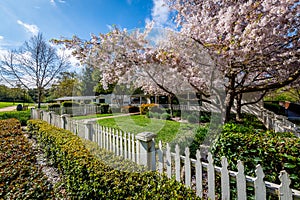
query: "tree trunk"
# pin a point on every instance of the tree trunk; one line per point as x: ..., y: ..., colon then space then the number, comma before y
x: 39, y: 98
x: 228, y: 104
x: 239, y: 107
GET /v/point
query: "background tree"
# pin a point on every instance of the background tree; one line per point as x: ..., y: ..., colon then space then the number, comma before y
x: 67, y: 84
x: 35, y: 64
x: 88, y: 81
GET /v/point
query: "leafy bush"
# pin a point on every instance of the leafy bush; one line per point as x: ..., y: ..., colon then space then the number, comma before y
x: 193, y: 119
x: 20, y: 177
x: 144, y: 108
x: 274, y: 107
x: 22, y: 116
x: 115, y: 109
x: 70, y: 104
x: 274, y: 151
x: 104, y: 108
x: 165, y: 116
x: 19, y: 107
x: 53, y: 105
x: 130, y: 109
x: 88, y: 177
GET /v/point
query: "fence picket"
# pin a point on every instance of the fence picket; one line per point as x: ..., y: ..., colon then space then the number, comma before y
x: 199, y: 175
x: 211, y: 177
x: 225, y: 179
x: 177, y: 162
x: 114, y: 141
x: 259, y: 184
x: 285, y: 193
x: 169, y: 161
x: 241, y: 182
x: 129, y: 146
x: 125, y: 145
x: 160, y: 158
x: 117, y: 143
x: 137, y: 152
x: 121, y: 144
x: 133, y: 148
x: 187, y: 167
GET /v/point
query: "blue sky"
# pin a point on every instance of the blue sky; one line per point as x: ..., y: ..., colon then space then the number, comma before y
x: 20, y: 19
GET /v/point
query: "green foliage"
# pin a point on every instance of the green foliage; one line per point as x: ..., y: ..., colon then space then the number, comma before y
x: 22, y: 116
x: 20, y: 177
x: 274, y: 107
x: 54, y: 105
x: 165, y: 116
x: 104, y: 108
x: 144, y: 108
x: 90, y: 177
x: 274, y: 151
x: 193, y: 119
x: 6, y: 104
x: 130, y: 109
x: 70, y: 104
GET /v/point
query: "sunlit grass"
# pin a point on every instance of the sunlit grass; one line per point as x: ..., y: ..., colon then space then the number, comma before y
x: 7, y: 104
x: 166, y: 130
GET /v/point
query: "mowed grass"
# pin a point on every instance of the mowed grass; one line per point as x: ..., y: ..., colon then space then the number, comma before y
x: 166, y: 130
x: 7, y: 104
x: 92, y: 116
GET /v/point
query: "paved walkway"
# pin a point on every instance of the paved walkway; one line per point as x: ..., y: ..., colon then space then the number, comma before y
x: 113, y: 116
x: 6, y: 109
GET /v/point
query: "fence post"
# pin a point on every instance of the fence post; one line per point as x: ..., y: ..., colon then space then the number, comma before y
x: 147, y: 149
x: 88, y: 126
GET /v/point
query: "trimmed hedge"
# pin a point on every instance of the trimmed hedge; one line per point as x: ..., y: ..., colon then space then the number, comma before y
x: 274, y: 151
x: 22, y: 116
x: 70, y: 104
x: 20, y: 176
x: 130, y: 109
x: 88, y: 177
x: 144, y: 108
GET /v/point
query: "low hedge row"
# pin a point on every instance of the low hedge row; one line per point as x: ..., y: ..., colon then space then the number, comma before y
x: 20, y: 177
x: 22, y: 116
x: 274, y: 151
x: 88, y: 177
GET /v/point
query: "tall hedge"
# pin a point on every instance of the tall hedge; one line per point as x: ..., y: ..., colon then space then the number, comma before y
x: 274, y: 151
x: 88, y: 176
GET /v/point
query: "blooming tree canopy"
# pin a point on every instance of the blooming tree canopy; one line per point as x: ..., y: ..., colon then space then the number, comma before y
x: 256, y: 42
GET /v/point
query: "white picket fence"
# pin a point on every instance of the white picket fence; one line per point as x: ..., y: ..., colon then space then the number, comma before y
x: 194, y: 173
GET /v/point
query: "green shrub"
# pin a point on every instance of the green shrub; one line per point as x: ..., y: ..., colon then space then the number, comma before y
x: 104, y: 108
x: 130, y: 109
x: 70, y: 104
x: 53, y: 105
x: 274, y: 151
x: 165, y: 116
x: 22, y: 116
x: 88, y: 177
x: 144, y: 108
x: 193, y: 119
x: 177, y: 113
x: 20, y: 176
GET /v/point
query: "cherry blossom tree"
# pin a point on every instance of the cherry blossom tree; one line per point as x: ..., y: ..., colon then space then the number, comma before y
x: 256, y: 42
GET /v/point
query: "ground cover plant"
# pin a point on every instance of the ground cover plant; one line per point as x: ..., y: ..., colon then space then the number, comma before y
x: 87, y: 176
x: 22, y: 116
x: 20, y: 177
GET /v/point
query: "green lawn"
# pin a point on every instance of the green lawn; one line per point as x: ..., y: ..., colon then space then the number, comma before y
x: 7, y: 104
x: 92, y: 116
x: 166, y: 130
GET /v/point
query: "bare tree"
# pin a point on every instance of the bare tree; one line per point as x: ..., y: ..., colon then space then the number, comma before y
x: 35, y: 64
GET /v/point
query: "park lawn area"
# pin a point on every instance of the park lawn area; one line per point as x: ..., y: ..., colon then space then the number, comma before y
x: 92, y: 116
x: 166, y: 130
x: 7, y: 104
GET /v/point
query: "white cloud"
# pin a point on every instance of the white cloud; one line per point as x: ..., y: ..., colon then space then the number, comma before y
x: 31, y: 28
x: 160, y: 12
x: 53, y: 2
x: 1, y: 37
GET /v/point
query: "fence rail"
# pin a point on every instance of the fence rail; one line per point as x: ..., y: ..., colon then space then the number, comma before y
x: 200, y: 176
